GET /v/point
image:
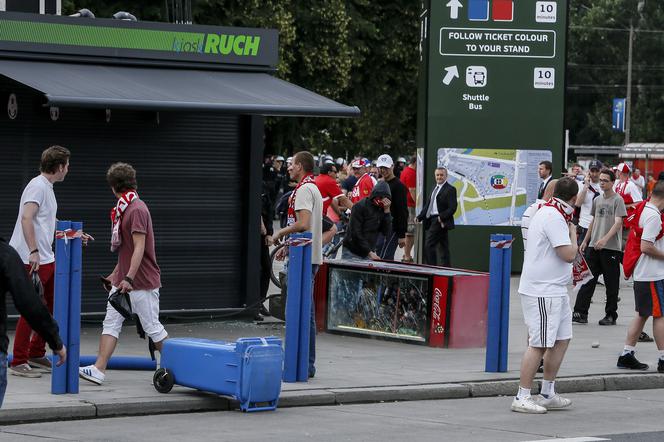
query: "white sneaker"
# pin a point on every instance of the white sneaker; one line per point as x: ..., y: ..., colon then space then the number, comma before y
x: 92, y: 374
x: 527, y: 405
x: 553, y: 403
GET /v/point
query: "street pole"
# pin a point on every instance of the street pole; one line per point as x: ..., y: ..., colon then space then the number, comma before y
x: 628, y: 104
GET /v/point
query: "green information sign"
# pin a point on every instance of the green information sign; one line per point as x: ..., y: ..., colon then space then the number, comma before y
x: 491, y: 107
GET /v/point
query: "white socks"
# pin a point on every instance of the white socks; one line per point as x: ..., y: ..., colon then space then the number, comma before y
x: 547, y: 388
x: 628, y: 349
x: 523, y: 393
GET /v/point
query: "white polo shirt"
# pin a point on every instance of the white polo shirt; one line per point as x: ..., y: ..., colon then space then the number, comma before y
x: 647, y: 268
x: 39, y: 191
x: 544, y: 273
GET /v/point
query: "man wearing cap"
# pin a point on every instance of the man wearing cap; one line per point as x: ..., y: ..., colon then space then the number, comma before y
x: 398, y: 168
x: 365, y: 182
x: 587, y: 194
x: 438, y: 218
x: 629, y: 192
x: 354, y: 174
x: 387, y: 245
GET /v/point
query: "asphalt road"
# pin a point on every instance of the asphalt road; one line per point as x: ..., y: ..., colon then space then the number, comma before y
x: 616, y: 416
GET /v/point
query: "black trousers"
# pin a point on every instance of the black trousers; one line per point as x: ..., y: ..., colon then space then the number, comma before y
x: 266, y: 268
x: 601, y: 262
x: 436, y: 244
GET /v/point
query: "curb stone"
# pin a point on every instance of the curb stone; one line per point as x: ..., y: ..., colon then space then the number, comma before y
x: 201, y: 402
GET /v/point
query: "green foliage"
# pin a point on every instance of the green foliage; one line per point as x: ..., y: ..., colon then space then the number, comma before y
x: 358, y: 52
x: 597, y: 69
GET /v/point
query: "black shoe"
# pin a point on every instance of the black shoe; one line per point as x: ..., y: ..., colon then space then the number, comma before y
x: 630, y: 362
x: 263, y: 311
x: 643, y: 337
x: 579, y: 318
x: 540, y: 369
x: 258, y: 317
x: 607, y: 320
x: 660, y: 366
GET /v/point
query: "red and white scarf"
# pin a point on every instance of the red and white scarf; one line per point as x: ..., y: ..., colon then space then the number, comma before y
x: 291, y: 201
x: 116, y: 217
x: 562, y: 207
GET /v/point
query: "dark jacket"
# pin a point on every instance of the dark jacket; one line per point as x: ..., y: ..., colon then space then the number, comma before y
x: 447, y: 205
x: 14, y: 279
x: 399, y: 206
x: 366, y: 220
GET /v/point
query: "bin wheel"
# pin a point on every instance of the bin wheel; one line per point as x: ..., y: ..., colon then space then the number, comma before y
x: 163, y: 380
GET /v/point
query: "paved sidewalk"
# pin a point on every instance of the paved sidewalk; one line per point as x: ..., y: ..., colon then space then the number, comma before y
x: 349, y: 370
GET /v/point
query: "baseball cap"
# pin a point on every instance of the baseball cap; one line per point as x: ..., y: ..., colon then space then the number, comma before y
x: 279, y: 158
x: 356, y: 164
x: 384, y: 161
x: 595, y: 164
x: 623, y: 168
x: 401, y: 160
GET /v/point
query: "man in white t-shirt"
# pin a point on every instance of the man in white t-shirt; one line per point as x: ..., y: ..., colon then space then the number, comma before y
x: 33, y: 236
x: 648, y: 283
x: 638, y: 180
x: 305, y: 214
x: 547, y: 270
x: 588, y: 191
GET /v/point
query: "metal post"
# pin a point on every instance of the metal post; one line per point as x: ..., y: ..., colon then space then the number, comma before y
x: 298, y: 309
x: 305, y: 313
x: 628, y: 106
x: 61, y: 303
x: 505, y: 304
x: 495, y: 303
x: 74, y: 345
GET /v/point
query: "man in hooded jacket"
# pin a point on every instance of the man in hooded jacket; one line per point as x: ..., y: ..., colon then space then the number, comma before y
x: 368, y: 217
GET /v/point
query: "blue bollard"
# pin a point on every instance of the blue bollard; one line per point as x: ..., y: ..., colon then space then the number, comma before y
x: 505, y: 304
x: 61, y: 303
x: 293, y: 308
x: 495, y: 303
x: 305, y: 313
x: 74, y: 346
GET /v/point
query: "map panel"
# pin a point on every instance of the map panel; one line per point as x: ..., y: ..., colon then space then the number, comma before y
x: 494, y: 186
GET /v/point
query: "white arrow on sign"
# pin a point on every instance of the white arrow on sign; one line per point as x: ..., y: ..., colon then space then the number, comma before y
x: 452, y: 72
x: 454, y: 6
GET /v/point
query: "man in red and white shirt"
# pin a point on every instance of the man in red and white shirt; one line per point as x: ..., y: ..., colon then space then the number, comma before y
x: 329, y: 189
x: 626, y: 188
x: 365, y: 184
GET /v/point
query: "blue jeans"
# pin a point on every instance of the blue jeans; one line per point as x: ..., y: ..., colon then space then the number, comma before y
x: 312, y: 326
x: 3, y: 376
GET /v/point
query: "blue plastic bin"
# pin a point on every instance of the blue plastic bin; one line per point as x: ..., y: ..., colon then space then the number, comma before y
x: 249, y: 369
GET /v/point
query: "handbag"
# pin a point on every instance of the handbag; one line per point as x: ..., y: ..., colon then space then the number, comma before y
x: 122, y: 304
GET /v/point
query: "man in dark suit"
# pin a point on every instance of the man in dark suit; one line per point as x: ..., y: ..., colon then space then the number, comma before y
x: 545, y: 170
x: 438, y: 218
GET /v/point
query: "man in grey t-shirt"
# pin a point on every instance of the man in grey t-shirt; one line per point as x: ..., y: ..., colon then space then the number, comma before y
x: 603, y: 246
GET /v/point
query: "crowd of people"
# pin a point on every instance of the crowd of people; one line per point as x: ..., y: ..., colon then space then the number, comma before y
x: 598, y: 217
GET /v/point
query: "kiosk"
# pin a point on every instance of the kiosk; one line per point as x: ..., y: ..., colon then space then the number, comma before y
x: 184, y: 104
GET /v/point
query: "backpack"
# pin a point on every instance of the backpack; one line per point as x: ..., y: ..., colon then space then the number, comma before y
x: 633, y: 245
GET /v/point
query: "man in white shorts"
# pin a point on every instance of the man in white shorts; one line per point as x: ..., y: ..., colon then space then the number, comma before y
x: 547, y: 269
x: 136, y: 272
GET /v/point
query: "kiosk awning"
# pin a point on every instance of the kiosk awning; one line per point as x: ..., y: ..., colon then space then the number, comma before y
x: 106, y: 86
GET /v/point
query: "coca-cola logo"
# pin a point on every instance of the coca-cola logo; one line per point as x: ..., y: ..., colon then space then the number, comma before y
x: 436, y: 304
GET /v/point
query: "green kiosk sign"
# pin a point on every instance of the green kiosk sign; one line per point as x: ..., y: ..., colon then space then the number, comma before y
x: 491, y: 107
x: 138, y: 40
